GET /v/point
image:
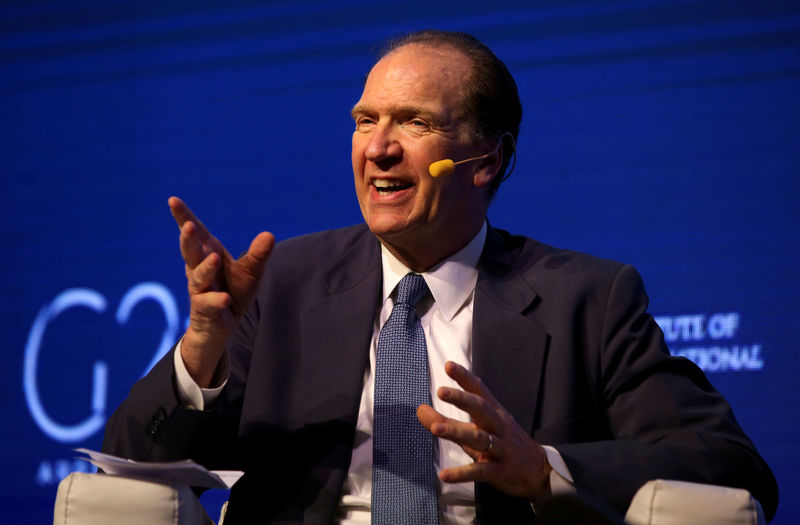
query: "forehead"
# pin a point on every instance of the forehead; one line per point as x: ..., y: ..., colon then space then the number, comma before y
x: 417, y: 74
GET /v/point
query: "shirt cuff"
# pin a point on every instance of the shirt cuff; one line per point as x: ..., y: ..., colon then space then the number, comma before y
x: 192, y: 396
x: 561, y: 481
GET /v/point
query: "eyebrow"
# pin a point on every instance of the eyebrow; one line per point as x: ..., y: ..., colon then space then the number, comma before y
x: 406, y: 111
x: 358, y: 110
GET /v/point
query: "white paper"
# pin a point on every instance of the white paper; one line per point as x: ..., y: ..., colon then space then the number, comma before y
x: 185, y: 472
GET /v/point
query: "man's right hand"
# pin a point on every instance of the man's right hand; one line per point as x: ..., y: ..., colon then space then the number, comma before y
x: 221, y: 289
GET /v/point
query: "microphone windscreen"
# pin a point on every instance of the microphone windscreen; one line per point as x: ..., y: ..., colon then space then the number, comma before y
x: 442, y: 167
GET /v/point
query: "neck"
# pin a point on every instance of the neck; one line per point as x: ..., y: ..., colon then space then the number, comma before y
x: 422, y: 254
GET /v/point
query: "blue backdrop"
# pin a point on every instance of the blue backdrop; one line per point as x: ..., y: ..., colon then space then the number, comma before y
x: 663, y: 134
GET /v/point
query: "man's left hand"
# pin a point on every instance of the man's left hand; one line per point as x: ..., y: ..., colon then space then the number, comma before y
x: 505, y: 455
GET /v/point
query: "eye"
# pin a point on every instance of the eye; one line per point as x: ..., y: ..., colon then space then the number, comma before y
x: 417, y: 125
x: 364, y: 123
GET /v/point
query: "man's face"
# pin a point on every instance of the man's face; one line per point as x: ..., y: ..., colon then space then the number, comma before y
x: 410, y: 115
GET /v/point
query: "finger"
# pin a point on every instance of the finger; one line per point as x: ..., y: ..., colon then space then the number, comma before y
x: 428, y: 416
x: 439, y: 426
x: 435, y: 421
x: 474, y: 454
x: 478, y: 471
x: 466, y: 435
x: 492, y: 447
x: 191, y: 248
x: 469, y: 381
x: 209, y: 305
x: 260, y: 249
x: 481, y: 411
x: 201, y: 278
x: 182, y: 214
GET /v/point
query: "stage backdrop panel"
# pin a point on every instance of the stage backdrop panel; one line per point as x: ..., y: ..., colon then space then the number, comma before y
x: 662, y: 134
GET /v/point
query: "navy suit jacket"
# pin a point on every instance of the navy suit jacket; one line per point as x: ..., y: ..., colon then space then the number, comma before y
x: 562, y: 339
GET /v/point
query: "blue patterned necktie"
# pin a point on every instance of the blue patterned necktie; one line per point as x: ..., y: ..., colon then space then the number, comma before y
x: 403, y: 475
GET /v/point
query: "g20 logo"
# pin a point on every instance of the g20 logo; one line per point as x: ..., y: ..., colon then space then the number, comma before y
x: 88, y: 298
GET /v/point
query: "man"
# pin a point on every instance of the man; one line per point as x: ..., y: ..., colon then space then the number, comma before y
x: 546, y: 372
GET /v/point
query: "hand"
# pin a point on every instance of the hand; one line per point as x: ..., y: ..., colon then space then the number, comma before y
x: 221, y: 289
x: 505, y: 455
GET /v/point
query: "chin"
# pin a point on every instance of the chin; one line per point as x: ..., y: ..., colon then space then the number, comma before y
x: 386, y: 227
x: 381, y: 229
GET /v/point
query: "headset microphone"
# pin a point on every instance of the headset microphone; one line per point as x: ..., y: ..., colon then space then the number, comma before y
x: 447, y: 166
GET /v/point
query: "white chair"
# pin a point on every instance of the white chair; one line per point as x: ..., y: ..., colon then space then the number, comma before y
x: 666, y: 502
x: 97, y: 499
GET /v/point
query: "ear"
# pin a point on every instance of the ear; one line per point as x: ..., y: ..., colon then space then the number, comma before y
x: 489, y: 167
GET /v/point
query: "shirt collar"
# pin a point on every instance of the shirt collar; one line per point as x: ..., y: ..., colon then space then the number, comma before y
x: 451, y: 282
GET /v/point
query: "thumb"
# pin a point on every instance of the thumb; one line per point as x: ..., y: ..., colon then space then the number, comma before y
x: 258, y: 253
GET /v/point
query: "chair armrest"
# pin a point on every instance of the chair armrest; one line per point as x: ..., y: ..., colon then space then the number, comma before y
x: 667, y: 502
x: 97, y: 499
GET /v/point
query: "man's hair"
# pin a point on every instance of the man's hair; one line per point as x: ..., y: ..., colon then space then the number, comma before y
x: 489, y: 95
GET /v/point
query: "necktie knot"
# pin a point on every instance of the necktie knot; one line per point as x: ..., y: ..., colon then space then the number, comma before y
x: 411, y: 289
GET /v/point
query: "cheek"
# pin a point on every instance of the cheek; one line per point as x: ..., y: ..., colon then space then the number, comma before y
x: 357, y: 155
x: 353, y: 148
x: 430, y: 194
x: 446, y: 193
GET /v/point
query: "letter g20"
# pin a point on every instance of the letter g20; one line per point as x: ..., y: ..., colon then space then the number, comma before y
x: 88, y: 298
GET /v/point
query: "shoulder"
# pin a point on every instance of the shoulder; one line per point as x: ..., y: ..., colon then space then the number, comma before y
x: 312, y: 249
x: 546, y: 267
x: 563, y: 282
x: 325, y: 240
x: 331, y: 259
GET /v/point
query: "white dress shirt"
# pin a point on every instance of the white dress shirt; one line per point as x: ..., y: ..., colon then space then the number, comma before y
x: 446, y: 317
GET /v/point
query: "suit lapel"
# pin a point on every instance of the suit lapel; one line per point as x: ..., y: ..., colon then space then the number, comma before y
x: 508, y: 353
x: 336, y: 333
x: 508, y: 347
x: 337, y: 330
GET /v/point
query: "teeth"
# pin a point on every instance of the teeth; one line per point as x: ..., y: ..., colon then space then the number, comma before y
x: 384, y: 183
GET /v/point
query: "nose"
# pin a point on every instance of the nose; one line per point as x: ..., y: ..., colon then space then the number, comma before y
x: 383, y: 144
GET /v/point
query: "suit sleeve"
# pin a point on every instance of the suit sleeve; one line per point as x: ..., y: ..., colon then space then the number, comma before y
x: 152, y: 424
x: 665, y: 418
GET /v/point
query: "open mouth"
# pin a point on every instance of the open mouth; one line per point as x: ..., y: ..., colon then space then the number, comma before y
x: 386, y: 187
